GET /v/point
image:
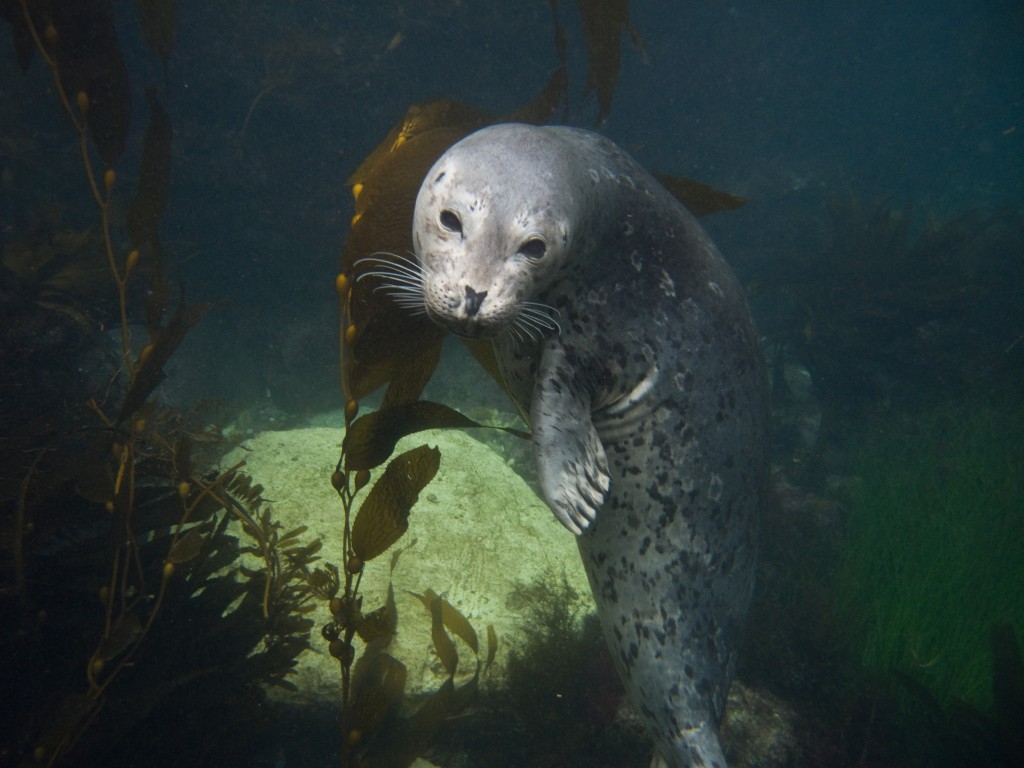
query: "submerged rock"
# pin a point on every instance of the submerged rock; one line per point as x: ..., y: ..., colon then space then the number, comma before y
x: 476, y: 532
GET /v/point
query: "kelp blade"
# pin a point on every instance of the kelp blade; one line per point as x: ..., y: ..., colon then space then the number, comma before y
x: 452, y: 617
x: 442, y: 643
x: 384, y: 515
x: 700, y: 199
x: 373, y: 436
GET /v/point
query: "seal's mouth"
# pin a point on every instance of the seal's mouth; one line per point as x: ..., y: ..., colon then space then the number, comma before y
x: 468, y: 312
x: 530, y: 323
x: 467, y: 327
x: 473, y: 333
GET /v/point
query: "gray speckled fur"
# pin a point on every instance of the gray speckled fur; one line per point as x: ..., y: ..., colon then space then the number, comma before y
x: 654, y: 383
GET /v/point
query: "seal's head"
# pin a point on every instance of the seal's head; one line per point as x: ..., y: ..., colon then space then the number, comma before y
x: 492, y: 228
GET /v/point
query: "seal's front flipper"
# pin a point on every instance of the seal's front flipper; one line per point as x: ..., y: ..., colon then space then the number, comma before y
x: 571, y: 463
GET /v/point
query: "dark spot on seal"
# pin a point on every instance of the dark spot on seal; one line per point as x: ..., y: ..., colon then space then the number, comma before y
x: 440, y: 176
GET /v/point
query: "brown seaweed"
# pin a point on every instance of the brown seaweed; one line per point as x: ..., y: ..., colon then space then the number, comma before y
x: 370, y: 440
x: 164, y: 342
x: 159, y: 20
x: 451, y: 617
x: 603, y: 24
x: 147, y: 207
x: 380, y: 345
x: 149, y: 521
x: 79, y: 40
x: 443, y: 645
x: 384, y: 515
x: 700, y: 199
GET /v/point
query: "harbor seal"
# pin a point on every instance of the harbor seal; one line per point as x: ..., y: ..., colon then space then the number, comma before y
x: 624, y: 336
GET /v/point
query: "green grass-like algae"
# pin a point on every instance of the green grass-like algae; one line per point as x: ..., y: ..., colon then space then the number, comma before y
x: 935, y: 546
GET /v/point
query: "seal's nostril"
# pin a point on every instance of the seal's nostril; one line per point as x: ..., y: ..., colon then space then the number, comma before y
x: 474, y: 300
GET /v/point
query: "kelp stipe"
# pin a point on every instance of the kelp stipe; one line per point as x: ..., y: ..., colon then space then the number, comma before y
x: 373, y: 729
x: 113, y: 504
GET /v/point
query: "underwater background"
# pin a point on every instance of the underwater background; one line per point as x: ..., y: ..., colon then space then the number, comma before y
x: 160, y: 602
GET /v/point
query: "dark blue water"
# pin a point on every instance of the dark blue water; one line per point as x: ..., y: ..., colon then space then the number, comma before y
x: 837, y: 121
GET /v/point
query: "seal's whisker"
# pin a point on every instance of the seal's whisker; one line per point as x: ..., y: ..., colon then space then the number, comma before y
x: 537, y: 320
x: 538, y: 305
x: 396, y: 280
x: 401, y: 279
x: 413, y: 306
x: 392, y: 258
x: 523, y: 335
x: 540, y: 316
x: 530, y: 329
x: 524, y: 331
x: 527, y: 333
x: 515, y: 334
x: 393, y: 266
x: 540, y: 323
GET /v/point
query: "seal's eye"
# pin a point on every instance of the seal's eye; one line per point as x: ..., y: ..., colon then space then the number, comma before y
x: 534, y: 248
x: 451, y: 221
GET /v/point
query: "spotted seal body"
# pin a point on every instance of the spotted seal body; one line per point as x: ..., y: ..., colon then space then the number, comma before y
x: 645, y: 394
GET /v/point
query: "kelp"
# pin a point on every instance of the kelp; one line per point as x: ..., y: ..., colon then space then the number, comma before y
x: 384, y: 516
x: 700, y: 199
x: 603, y: 24
x: 370, y: 440
x: 58, y: 270
x: 146, y: 521
x: 149, y: 366
x: 409, y: 736
x: 373, y: 684
x: 159, y: 21
x: 79, y: 43
x: 173, y: 554
x: 147, y: 207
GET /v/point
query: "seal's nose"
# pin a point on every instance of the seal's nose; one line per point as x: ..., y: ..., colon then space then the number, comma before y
x: 474, y: 300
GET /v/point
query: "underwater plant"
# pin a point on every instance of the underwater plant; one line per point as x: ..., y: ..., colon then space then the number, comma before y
x: 119, y: 572
x: 148, y: 678
x: 562, y: 689
x: 933, y: 554
x: 374, y: 728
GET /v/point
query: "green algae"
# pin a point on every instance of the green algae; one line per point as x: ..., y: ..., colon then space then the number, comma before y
x: 934, y: 554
